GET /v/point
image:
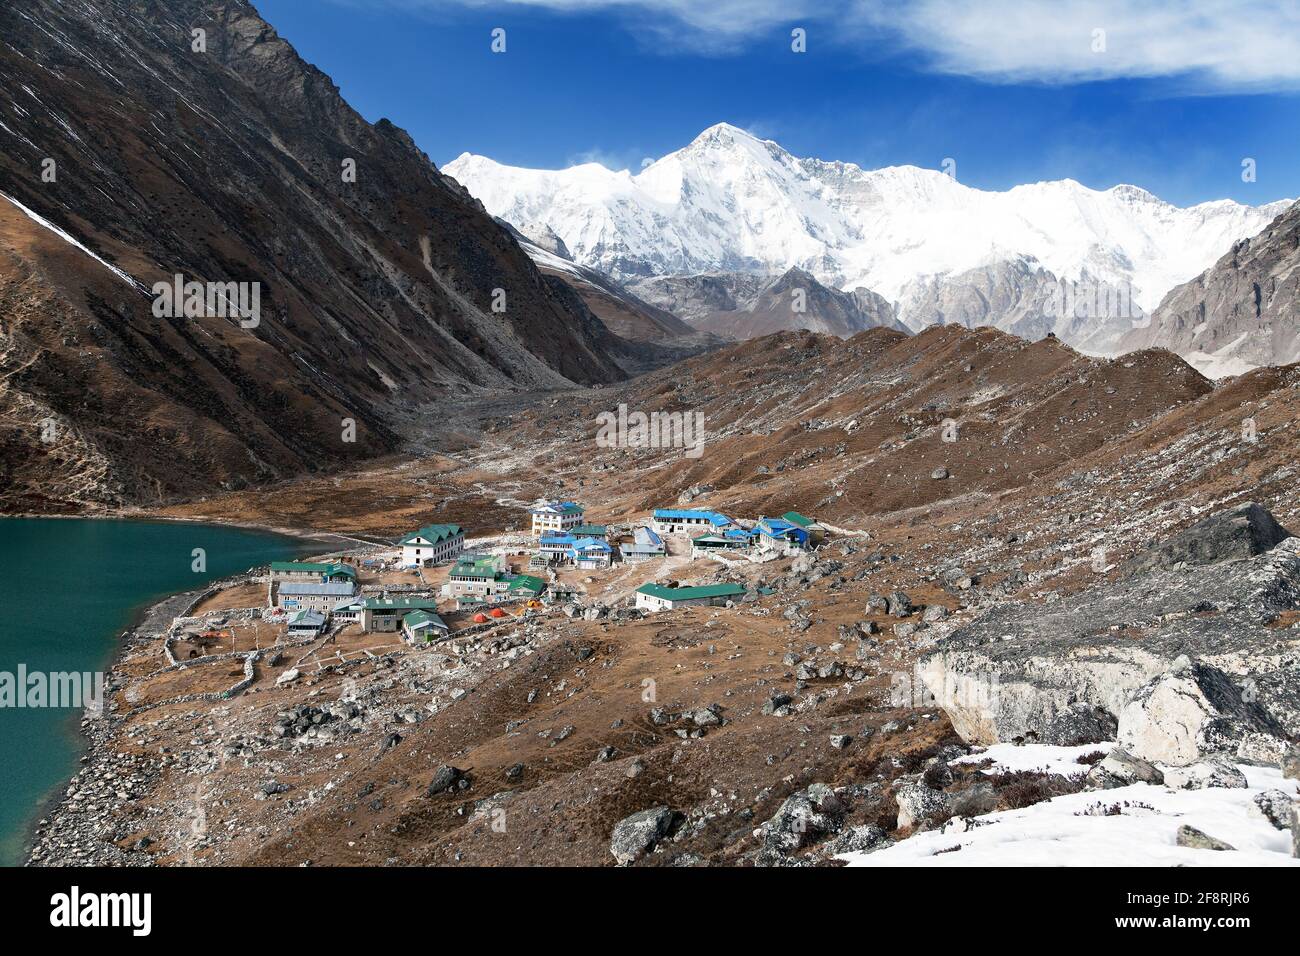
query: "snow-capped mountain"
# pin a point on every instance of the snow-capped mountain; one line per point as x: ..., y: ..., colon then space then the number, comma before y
x: 731, y: 202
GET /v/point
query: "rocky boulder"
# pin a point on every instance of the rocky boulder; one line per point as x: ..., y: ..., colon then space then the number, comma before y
x: 1276, y: 807
x: 1120, y: 769
x: 920, y: 805
x: 1241, y: 532
x: 1025, y: 667
x: 804, y: 817
x: 1205, y: 774
x: 1291, y: 762
x: 1197, y: 840
x: 1191, y: 711
x: 859, y: 839
x: 635, y: 836
x: 447, y: 778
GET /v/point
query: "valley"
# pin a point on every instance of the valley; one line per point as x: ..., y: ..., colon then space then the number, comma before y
x: 1059, y: 458
x: 980, y: 549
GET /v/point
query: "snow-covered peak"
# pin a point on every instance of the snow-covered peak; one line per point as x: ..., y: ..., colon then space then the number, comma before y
x: 725, y: 135
x: 732, y: 202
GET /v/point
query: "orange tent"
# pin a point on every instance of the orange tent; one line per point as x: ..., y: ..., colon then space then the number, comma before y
x: 497, y: 612
x: 480, y: 618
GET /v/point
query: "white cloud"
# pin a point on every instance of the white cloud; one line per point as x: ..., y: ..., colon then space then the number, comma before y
x: 1210, y: 44
x: 711, y: 26
x: 1217, y: 44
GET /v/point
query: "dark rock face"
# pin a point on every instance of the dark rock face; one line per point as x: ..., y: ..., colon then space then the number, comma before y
x: 1024, y: 668
x: 1080, y: 724
x: 231, y: 165
x: 447, y: 778
x: 1240, y: 532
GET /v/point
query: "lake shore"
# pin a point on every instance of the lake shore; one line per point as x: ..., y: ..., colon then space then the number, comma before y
x: 142, y: 514
x: 144, y: 624
x: 63, y: 826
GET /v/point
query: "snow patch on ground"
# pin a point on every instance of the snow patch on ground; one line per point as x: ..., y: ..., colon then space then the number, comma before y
x: 1059, y: 761
x: 1127, y: 826
x: 1217, y: 366
x: 41, y: 220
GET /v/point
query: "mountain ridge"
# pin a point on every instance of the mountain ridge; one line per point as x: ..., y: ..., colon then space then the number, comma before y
x: 378, y: 293
x: 1239, y: 313
x: 730, y: 202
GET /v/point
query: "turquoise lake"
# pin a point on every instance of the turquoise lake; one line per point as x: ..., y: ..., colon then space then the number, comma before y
x: 69, y: 587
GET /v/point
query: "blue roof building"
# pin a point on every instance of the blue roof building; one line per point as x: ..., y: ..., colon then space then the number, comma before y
x: 669, y: 520
x: 591, y: 553
x: 781, y: 534
x: 646, y: 544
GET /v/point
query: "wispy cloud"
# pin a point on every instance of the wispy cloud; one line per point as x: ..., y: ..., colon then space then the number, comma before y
x: 1210, y: 45
x: 630, y: 159
x: 667, y: 26
x: 1214, y: 44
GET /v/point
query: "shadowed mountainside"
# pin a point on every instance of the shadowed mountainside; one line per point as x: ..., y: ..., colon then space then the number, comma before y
x: 227, y: 164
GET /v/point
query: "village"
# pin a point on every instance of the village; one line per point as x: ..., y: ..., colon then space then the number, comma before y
x: 435, y: 584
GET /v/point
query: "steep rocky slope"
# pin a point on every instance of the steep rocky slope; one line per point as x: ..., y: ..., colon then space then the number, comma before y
x: 133, y: 153
x: 856, y: 427
x: 737, y: 306
x: 621, y: 311
x: 1243, y: 311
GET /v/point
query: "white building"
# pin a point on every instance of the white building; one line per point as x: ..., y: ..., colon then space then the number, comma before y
x: 646, y: 545
x: 591, y: 554
x: 296, y: 596
x: 478, y: 576
x: 672, y: 520
x: 556, y: 517
x: 432, y: 544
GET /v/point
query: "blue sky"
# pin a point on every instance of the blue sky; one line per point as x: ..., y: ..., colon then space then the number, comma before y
x: 1170, y: 103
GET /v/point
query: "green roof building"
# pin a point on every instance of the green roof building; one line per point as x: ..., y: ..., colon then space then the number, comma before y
x: 815, y: 530
x: 432, y: 544
x: 526, y: 585
x: 325, y: 573
x: 657, y: 597
x: 385, y: 615
x: 480, y: 576
x: 421, y: 627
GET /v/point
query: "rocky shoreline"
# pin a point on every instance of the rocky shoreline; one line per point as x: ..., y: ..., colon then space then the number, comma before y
x: 77, y: 826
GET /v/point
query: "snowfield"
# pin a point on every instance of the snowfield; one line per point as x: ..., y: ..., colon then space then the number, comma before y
x: 731, y: 202
x: 1127, y: 826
